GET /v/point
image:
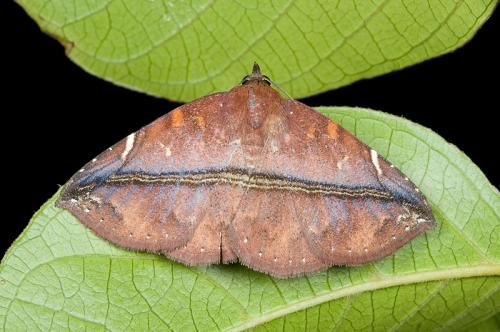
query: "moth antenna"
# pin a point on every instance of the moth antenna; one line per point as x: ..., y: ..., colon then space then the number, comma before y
x: 279, y: 88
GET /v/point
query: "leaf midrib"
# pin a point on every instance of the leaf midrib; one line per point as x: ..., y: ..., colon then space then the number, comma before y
x: 445, y: 274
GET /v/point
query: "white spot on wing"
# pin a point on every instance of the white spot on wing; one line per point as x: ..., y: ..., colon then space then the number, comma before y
x: 274, y: 145
x: 374, y: 156
x: 166, y: 149
x: 129, y: 144
x: 340, y: 163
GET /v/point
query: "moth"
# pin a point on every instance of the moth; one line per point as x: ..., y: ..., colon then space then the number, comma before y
x: 248, y: 176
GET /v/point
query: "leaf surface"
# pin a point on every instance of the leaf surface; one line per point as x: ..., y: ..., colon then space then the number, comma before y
x: 185, y: 49
x: 489, y: 325
x: 59, y: 275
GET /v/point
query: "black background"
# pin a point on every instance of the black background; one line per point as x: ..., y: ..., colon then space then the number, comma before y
x: 56, y: 117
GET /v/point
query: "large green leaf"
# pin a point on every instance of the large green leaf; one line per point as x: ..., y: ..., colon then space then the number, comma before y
x: 58, y: 274
x: 185, y: 49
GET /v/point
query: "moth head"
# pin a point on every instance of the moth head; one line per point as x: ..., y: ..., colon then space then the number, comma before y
x: 256, y: 77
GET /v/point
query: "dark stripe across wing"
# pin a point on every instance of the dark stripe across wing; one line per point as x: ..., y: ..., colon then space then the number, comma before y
x: 246, y: 180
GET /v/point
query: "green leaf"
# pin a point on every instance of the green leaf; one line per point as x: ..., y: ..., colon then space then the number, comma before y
x: 489, y: 325
x: 59, y: 275
x: 185, y: 49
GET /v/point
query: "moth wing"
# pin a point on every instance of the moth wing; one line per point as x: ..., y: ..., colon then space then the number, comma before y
x: 266, y: 235
x: 209, y: 242
x: 376, y: 208
x: 357, y: 231
x: 116, y: 197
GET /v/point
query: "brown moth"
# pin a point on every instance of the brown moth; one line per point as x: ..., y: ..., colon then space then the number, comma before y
x: 248, y: 176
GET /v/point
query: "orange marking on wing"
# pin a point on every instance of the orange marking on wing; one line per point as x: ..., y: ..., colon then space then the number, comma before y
x: 177, y: 118
x: 332, y: 130
x: 200, y: 121
x: 311, y: 132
